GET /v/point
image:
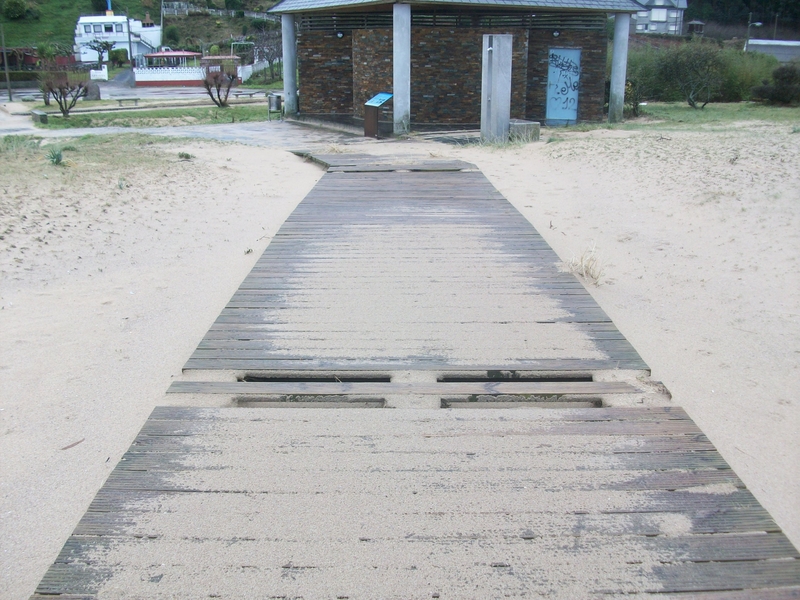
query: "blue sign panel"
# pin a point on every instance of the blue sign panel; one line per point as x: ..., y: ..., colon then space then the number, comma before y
x: 563, y: 83
x: 378, y: 99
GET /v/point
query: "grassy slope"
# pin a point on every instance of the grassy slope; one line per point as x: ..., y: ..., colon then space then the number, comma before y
x: 58, y: 19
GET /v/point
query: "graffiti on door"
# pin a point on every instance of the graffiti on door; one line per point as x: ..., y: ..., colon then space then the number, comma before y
x: 563, y: 83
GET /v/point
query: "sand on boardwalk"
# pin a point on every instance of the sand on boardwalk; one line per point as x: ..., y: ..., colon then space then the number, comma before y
x: 111, y: 271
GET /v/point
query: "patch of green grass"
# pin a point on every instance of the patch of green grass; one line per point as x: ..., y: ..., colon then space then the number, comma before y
x: 254, y: 85
x: 162, y: 117
x: 19, y: 144
x: 680, y: 114
x: 56, y: 22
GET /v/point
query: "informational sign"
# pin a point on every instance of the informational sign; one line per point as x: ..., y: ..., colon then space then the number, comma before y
x: 563, y: 83
x: 378, y: 99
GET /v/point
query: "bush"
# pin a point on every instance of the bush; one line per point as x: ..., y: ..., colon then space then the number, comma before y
x: 118, y: 57
x: 741, y: 72
x: 233, y: 4
x: 785, y: 86
x: 171, y: 34
x: 15, y: 9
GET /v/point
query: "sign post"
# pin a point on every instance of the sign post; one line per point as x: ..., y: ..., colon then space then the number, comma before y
x: 371, y: 110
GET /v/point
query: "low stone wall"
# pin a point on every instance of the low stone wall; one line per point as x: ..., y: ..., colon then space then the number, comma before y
x: 167, y: 76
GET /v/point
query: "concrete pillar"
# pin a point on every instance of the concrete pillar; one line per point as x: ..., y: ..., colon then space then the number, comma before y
x: 402, y: 68
x: 289, y: 64
x: 619, y: 67
x: 496, y: 88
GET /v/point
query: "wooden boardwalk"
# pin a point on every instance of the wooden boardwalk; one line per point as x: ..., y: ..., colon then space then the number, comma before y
x: 404, y: 280
x: 418, y: 265
x: 246, y: 503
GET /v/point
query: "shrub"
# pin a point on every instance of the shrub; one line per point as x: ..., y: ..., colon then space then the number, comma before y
x: 171, y: 34
x: 218, y: 84
x: 233, y: 4
x: 65, y: 88
x: 785, y: 86
x: 14, y: 9
x: 118, y: 57
x: 741, y: 72
x: 214, y: 50
x: 695, y: 69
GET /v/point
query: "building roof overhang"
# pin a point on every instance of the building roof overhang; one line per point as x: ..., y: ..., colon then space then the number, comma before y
x: 603, y: 6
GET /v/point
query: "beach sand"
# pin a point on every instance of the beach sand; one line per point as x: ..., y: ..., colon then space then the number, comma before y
x: 112, y: 269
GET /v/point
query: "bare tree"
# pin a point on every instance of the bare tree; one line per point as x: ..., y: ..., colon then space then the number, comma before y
x: 218, y: 84
x: 65, y: 90
x: 101, y: 47
x: 695, y: 69
x: 269, y: 47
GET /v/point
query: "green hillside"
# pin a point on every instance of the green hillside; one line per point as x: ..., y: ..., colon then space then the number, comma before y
x: 57, y: 19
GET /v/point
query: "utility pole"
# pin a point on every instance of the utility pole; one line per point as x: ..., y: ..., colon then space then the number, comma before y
x: 5, y: 62
x: 130, y: 46
x: 775, y: 31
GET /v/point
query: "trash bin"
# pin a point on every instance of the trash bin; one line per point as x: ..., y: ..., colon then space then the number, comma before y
x: 274, y: 102
x: 371, y: 110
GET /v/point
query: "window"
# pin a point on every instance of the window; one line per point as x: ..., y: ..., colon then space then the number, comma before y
x: 640, y: 28
x: 658, y: 15
x: 98, y: 28
x: 673, y: 28
x: 643, y: 14
x: 87, y: 29
x: 673, y: 14
x: 109, y: 28
x: 653, y: 27
x: 118, y: 27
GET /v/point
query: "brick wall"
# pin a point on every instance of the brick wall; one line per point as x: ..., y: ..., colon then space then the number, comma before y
x: 446, y: 74
x: 326, y: 72
x: 593, y: 45
x: 337, y: 75
x: 372, y: 65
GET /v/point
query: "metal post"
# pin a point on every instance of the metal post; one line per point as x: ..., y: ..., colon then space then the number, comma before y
x: 401, y: 61
x: 619, y: 67
x: 289, y: 34
x: 5, y: 62
x: 496, y: 88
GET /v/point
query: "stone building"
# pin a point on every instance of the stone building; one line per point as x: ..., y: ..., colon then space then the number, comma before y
x: 428, y: 54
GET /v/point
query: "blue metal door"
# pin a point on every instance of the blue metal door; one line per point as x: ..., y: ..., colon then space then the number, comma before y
x: 563, y: 83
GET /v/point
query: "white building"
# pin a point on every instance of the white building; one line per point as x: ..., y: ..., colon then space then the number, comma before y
x: 659, y: 16
x: 145, y: 35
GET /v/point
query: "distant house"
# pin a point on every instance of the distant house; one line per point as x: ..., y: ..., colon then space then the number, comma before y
x: 783, y: 50
x: 659, y: 16
x: 145, y: 36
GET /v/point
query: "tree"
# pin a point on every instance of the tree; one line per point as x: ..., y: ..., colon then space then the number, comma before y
x: 15, y: 9
x: 101, y: 47
x: 99, y: 5
x: 65, y: 90
x: 218, y: 84
x: 695, y: 69
x: 268, y: 46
